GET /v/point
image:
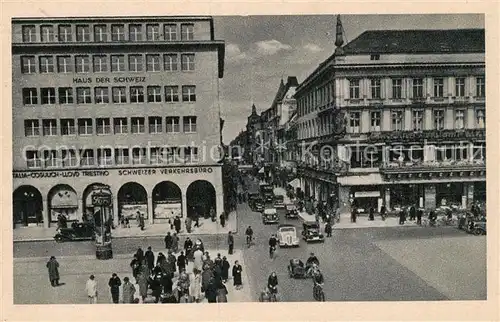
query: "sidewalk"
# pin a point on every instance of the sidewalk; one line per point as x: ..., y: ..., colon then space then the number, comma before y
x: 361, y: 222
x: 30, y: 277
x: 207, y: 227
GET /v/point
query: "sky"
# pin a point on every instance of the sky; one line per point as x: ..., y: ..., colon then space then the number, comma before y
x: 261, y: 50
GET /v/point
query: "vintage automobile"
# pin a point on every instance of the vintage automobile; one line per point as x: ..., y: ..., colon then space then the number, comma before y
x: 270, y: 216
x: 259, y: 205
x: 77, y: 231
x: 296, y: 268
x: 479, y: 228
x: 311, y: 232
x: 287, y: 236
x: 279, y: 201
x: 291, y: 211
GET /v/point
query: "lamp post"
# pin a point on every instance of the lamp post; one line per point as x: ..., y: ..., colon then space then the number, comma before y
x: 101, y: 201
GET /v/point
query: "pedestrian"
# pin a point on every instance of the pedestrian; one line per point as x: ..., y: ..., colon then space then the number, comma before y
x: 177, y: 224
x: 156, y: 286
x: 182, y: 262
x: 127, y: 223
x: 171, y: 260
x: 328, y: 229
x: 196, y: 217
x: 413, y: 213
x: 160, y: 259
x: 138, y: 218
x: 383, y: 211
x: 91, y: 288
x: 168, y: 241
x: 237, y: 269
x: 218, y: 260
x: 225, y: 269
x: 188, y: 247
x: 402, y: 216
x: 167, y: 284
x: 221, y: 293
x: 157, y: 269
x: 53, y: 268
x: 371, y: 215
x: 230, y: 242
x: 140, y: 255
x: 135, y: 264
x: 420, y: 213
x: 188, y: 222
x: 211, y: 291
x: 142, y: 281
x: 142, y: 221
x: 354, y: 214
x: 175, y: 243
x: 183, y: 283
x: 196, y: 285
x: 128, y: 291
x: 206, y: 275
x: 212, y: 214
x: 114, y: 287
x: 150, y: 258
x: 198, y: 259
x: 222, y: 219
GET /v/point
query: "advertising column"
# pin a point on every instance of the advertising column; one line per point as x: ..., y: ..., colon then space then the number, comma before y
x: 101, y: 200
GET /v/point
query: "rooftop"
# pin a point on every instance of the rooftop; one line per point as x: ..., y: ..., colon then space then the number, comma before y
x: 107, y: 18
x: 417, y: 41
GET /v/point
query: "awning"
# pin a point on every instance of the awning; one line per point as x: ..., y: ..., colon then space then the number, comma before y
x: 261, y: 170
x: 295, y: 183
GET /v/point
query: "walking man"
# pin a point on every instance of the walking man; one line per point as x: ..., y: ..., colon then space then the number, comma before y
x: 150, y: 259
x: 53, y: 268
x: 91, y: 288
x: 230, y: 241
x: 114, y: 286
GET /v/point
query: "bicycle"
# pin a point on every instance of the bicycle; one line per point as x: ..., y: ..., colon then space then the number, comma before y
x: 249, y: 241
x: 318, y: 293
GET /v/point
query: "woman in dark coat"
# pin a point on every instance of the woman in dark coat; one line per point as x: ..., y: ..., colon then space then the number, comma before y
x: 371, y: 216
x: 225, y: 269
x: 237, y: 275
x: 114, y: 287
x: 175, y: 243
x: 177, y: 224
x: 206, y: 276
x: 53, y: 268
x: 211, y: 291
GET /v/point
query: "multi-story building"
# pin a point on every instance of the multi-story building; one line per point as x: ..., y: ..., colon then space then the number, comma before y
x: 132, y: 103
x: 254, y: 151
x: 413, y: 106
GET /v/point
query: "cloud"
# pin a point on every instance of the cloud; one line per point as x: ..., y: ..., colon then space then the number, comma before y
x: 313, y: 48
x: 234, y: 53
x: 270, y: 47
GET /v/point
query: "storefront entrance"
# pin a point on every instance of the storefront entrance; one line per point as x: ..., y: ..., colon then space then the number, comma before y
x: 167, y: 201
x: 200, y: 197
x: 132, y: 198
x: 449, y: 194
x: 27, y: 206
x: 63, y: 201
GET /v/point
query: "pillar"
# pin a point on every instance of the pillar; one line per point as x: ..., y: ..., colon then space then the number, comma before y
x: 184, y: 205
x: 430, y: 197
x: 344, y: 204
x: 150, y: 210
x: 317, y: 192
x: 115, y: 211
x: 469, y: 193
x: 387, y: 198
x: 80, y: 209
x: 45, y: 213
x: 219, y: 202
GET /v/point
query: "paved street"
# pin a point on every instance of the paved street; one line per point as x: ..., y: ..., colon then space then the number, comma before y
x: 366, y: 264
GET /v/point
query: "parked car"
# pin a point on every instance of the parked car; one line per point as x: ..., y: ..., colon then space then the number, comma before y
x: 279, y: 201
x: 270, y: 216
x: 296, y: 268
x: 287, y: 235
x: 77, y: 232
x: 311, y: 232
x: 479, y: 228
x: 291, y: 211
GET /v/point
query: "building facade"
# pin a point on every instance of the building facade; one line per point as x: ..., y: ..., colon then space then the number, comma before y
x: 132, y: 103
x: 412, y: 103
x: 254, y: 150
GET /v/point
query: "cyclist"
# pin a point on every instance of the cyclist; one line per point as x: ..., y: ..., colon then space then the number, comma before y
x: 311, y: 261
x: 272, y: 284
x: 272, y: 245
x: 318, y: 280
x: 249, y: 234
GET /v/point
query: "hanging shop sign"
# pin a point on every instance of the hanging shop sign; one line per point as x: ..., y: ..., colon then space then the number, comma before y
x: 398, y: 136
x: 49, y: 174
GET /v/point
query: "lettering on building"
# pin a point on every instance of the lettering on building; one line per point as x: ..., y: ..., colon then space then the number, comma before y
x: 107, y: 80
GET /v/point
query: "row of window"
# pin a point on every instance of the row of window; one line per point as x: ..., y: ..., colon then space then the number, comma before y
x: 120, y: 125
x: 107, y: 156
x: 417, y: 89
x: 105, y: 63
x: 308, y: 129
x: 106, y: 95
x: 106, y: 33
